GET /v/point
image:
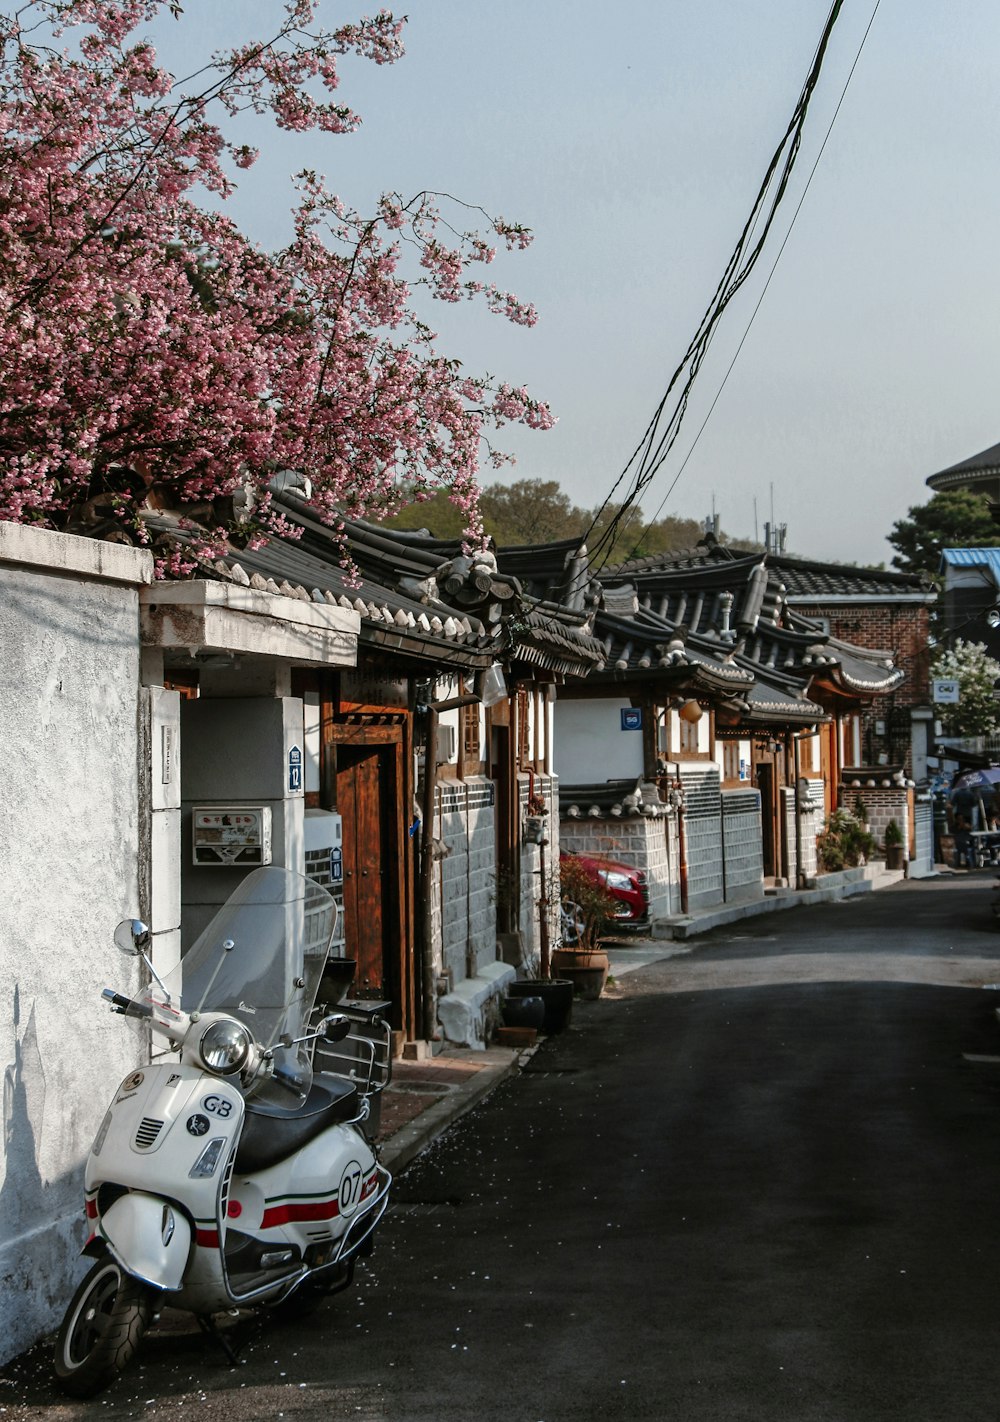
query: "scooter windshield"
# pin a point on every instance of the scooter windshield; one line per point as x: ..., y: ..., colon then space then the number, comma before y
x: 259, y: 960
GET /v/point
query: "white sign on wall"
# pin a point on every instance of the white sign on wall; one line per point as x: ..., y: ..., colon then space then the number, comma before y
x: 946, y: 690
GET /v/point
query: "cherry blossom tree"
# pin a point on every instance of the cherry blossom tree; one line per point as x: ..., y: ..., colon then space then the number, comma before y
x: 151, y: 355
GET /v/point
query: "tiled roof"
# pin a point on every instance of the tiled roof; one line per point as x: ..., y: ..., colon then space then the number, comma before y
x: 986, y: 462
x: 733, y: 608
x: 611, y: 799
x: 421, y: 596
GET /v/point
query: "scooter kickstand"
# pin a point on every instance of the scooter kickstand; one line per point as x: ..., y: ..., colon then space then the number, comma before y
x: 207, y: 1325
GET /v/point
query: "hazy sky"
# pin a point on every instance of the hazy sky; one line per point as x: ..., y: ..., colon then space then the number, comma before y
x: 632, y: 140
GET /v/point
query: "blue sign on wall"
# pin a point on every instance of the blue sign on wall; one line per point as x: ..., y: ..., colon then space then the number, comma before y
x: 631, y: 718
x: 295, y: 768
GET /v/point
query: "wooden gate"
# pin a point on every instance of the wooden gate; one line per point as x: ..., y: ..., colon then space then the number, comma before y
x: 370, y: 795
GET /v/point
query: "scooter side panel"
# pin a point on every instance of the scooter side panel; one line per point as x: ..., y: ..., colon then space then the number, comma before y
x: 313, y: 1197
x: 160, y: 1124
x: 149, y: 1238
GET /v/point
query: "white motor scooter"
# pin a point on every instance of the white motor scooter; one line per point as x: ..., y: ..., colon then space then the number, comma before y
x: 229, y: 1174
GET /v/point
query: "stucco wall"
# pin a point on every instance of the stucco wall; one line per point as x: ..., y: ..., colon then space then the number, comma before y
x: 582, y: 725
x: 69, y: 855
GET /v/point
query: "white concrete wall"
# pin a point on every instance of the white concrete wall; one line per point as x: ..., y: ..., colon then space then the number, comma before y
x: 590, y: 745
x: 70, y: 850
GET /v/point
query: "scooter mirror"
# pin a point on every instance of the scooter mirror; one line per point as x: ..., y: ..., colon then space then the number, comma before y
x: 132, y: 937
x: 335, y: 1029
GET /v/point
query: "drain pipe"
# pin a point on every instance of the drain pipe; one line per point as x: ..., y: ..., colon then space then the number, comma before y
x: 428, y: 994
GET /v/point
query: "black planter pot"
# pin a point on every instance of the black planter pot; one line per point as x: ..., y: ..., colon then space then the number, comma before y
x: 524, y: 1011
x: 338, y: 974
x: 556, y: 994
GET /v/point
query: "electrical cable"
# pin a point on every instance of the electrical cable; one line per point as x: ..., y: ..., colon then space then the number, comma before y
x: 798, y: 208
x: 655, y: 444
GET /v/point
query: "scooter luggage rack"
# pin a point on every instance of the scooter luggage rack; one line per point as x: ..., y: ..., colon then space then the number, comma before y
x: 363, y: 1056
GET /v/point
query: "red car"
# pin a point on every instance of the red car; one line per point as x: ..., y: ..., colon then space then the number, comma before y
x: 626, y: 885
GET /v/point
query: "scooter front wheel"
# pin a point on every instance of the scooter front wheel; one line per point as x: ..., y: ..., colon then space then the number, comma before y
x: 103, y: 1327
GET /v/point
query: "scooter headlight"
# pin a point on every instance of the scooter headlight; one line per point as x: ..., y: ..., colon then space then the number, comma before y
x: 225, y: 1047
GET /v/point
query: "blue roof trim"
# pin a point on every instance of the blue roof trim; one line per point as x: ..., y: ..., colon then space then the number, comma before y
x: 972, y: 558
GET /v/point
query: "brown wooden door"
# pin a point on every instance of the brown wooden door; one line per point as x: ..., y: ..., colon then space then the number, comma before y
x: 765, y: 783
x: 361, y: 776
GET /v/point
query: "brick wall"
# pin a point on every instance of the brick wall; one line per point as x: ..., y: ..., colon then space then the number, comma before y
x: 902, y: 630
x: 883, y: 803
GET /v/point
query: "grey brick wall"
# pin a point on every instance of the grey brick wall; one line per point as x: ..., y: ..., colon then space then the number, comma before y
x: 464, y: 911
x: 812, y: 823
x: 639, y: 842
x: 883, y: 803
x: 703, y: 834
x: 744, y: 845
x: 531, y: 880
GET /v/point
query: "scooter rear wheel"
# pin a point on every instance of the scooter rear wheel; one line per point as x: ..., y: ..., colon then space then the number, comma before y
x: 103, y: 1327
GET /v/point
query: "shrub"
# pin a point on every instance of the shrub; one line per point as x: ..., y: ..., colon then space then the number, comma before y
x: 844, y: 843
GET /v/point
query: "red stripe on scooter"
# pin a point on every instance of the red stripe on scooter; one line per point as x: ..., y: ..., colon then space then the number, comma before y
x: 91, y: 1209
x: 207, y: 1238
x: 291, y: 1214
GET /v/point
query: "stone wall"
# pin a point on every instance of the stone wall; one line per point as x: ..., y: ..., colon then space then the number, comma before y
x: 465, y: 910
x: 703, y: 834
x: 531, y: 860
x: 744, y: 845
x: 638, y: 841
x: 883, y: 803
x: 811, y: 823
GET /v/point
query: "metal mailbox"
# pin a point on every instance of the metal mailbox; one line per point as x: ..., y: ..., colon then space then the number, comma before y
x: 231, y: 835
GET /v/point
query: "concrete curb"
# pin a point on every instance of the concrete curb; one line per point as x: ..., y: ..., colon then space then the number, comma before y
x: 852, y: 882
x: 407, y: 1143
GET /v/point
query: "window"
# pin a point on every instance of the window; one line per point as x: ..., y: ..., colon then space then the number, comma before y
x: 470, y: 750
x: 523, y: 743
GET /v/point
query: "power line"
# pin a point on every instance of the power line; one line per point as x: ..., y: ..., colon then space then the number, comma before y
x: 798, y: 208
x: 656, y: 444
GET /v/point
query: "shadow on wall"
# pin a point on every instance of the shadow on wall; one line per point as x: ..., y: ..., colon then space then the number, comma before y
x: 23, y: 1115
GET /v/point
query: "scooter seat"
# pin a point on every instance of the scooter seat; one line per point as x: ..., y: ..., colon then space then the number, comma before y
x: 272, y: 1133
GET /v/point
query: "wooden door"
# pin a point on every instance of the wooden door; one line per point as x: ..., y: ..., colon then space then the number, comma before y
x: 362, y: 778
x: 765, y: 784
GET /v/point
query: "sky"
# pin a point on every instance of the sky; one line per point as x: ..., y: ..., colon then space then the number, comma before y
x: 632, y: 141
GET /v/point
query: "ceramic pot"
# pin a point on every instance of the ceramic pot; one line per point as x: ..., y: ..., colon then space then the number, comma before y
x: 556, y: 994
x: 587, y: 970
x: 524, y: 1012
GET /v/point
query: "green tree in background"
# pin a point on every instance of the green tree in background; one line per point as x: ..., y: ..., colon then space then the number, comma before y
x: 953, y: 520
x: 538, y: 511
x: 977, y: 713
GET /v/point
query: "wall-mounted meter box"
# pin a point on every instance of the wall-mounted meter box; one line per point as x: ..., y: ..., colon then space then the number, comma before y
x: 231, y: 835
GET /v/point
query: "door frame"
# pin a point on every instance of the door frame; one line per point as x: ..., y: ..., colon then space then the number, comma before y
x: 397, y: 917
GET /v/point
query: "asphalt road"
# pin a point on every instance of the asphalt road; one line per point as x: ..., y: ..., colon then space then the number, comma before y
x: 759, y: 1181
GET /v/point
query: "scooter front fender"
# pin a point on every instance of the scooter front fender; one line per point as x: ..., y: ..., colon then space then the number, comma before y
x: 149, y: 1238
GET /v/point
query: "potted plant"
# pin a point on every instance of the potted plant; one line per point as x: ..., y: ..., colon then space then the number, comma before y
x: 893, y: 846
x: 585, y: 908
x: 555, y: 993
x: 860, y: 812
x: 844, y: 843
